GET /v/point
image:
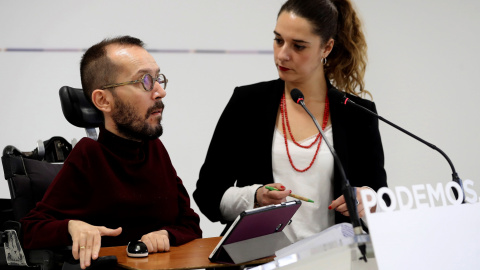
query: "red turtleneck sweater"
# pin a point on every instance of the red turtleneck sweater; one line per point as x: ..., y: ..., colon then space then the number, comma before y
x: 113, y: 182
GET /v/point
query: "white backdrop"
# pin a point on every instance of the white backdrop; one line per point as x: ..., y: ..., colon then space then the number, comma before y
x: 423, y: 65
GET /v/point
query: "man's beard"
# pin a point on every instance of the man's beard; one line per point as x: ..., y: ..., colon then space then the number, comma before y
x: 131, y: 125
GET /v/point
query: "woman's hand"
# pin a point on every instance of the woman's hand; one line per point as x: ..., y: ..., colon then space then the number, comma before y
x: 87, y: 240
x: 268, y: 197
x: 157, y: 241
x: 341, y: 206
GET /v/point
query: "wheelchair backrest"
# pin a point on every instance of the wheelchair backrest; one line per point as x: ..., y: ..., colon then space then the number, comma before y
x: 28, y: 178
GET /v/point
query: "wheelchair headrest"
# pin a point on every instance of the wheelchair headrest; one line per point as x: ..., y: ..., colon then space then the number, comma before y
x: 78, y: 110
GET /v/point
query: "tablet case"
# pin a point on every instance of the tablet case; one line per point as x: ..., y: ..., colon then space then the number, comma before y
x: 256, y: 233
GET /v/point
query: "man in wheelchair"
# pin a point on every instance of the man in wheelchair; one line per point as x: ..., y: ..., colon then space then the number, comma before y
x: 122, y: 187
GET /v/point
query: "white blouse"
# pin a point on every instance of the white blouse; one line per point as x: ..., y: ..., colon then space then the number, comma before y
x: 315, y: 184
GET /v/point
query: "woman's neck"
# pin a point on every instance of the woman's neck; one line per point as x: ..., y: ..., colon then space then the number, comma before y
x: 312, y: 91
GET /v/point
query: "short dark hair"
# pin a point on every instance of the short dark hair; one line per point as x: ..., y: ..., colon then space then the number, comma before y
x: 96, y: 69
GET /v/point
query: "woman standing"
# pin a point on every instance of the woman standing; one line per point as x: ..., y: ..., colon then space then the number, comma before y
x: 264, y: 138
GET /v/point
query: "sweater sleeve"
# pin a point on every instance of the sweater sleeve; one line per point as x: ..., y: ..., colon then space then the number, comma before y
x: 38, y: 227
x: 52, y: 214
x: 186, y: 227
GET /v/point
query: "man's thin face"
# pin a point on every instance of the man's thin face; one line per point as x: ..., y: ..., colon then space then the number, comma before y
x: 132, y: 125
x: 137, y: 113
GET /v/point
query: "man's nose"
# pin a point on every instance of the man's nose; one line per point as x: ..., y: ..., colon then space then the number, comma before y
x: 158, y: 91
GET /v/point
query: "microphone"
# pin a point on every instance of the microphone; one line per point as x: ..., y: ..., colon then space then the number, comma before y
x: 455, y: 176
x: 349, y: 192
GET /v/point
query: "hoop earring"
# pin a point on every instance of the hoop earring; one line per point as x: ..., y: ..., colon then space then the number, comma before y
x: 324, y: 61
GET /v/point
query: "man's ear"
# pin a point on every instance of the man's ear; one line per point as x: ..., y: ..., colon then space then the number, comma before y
x: 102, y: 99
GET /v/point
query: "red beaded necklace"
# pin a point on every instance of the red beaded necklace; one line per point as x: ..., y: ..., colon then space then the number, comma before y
x: 283, y: 111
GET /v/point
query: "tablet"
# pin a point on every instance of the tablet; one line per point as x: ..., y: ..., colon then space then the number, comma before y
x: 255, y: 223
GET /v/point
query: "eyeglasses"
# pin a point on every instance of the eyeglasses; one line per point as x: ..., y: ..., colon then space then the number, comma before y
x: 147, y: 81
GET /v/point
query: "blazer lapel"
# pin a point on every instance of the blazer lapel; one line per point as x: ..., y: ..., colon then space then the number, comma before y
x: 338, y: 116
x: 272, y: 106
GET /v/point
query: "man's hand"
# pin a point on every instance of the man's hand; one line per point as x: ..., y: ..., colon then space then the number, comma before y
x: 87, y: 240
x: 268, y: 197
x: 157, y: 241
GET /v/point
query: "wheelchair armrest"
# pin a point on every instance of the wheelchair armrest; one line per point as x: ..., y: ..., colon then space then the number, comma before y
x: 12, y: 225
x: 13, y: 255
x: 12, y: 252
x: 104, y: 262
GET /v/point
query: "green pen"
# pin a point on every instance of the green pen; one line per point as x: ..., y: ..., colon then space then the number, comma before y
x: 291, y: 195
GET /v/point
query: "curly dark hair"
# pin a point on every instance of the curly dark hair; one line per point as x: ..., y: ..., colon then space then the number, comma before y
x: 337, y: 19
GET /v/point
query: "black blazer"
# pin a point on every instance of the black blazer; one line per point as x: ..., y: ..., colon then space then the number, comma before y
x: 241, y: 147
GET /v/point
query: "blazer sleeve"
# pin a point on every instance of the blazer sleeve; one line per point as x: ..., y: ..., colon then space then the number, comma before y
x: 218, y: 171
x: 365, y: 154
x: 378, y: 177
